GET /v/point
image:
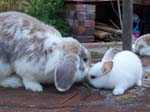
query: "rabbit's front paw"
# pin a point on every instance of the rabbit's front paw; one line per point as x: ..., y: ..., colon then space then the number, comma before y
x: 118, y: 91
x: 33, y: 86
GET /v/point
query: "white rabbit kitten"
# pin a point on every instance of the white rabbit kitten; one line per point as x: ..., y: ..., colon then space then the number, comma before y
x: 117, y: 70
x: 142, y: 45
x: 37, y: 53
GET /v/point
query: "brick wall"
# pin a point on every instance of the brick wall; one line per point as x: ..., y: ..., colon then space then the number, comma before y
x: 146, y: 1
x: 81, y: 17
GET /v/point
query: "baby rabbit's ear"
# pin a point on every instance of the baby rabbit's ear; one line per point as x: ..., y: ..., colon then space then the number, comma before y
x: 65, y: 74
x: 107, y: 67
x: 107, y: 60
x: 109, y: 54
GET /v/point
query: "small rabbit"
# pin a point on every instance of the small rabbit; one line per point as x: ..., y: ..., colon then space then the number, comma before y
x: 142, y: 45
x: 37, y: 54
x: 117, y: 70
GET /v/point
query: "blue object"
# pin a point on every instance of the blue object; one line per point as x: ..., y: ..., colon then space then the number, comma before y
x: 136, y: 29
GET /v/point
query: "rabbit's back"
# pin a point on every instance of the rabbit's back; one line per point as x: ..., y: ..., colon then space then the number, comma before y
x: 18, y: 25
x: 128, y: 66
x: 23, y: 37
x: 21, y: 34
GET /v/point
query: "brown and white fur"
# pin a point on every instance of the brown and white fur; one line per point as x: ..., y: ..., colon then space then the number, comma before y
x: 32, y: 53
x: 142, y: 45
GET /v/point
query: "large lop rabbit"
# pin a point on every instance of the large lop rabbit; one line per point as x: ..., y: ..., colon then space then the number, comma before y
x: 117, y: 70
x: 142, y: 45
x: 36, y: 53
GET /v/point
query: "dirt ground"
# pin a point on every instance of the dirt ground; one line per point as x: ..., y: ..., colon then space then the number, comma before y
x: 80, y: 98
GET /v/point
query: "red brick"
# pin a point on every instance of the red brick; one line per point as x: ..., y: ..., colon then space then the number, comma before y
x: 74, y: 30
x: 75, y: 24
x: 81, y: 30
x: 85, y: 23
x: 81, y: 7
x: 81, y: 15
x: 91, y: 8
x: 81, y: 22
x: 89, y: 23
x: 146, y: 1
x: 89, y: 31
x: 78, y: 30
x: 90, y: 16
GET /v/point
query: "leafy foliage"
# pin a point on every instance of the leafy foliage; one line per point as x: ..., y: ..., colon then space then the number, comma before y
x: 6, y: 5
x: 47, y: 11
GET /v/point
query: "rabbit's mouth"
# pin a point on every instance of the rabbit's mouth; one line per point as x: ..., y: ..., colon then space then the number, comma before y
x: 81, y: 74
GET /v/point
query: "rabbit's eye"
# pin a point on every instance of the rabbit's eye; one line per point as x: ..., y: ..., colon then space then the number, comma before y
x: 93, y: 77
x: 85, y: 59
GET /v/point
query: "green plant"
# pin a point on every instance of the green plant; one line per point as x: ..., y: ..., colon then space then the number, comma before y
x: 3, y: 6
x: 6, y: 5
x: 47, y: 11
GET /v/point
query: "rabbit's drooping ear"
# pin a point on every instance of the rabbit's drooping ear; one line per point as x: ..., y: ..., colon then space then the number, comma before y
x: 107, y: 67
x: 109, y: 55
x: 65, y: 74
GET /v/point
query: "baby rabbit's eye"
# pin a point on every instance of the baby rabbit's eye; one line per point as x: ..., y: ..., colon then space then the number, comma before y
x: 93, y: 77
x: 85, y: 59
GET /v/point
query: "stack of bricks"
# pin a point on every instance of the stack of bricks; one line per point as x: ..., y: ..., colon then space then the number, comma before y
x: 81, y: 18
x: 146, y: 1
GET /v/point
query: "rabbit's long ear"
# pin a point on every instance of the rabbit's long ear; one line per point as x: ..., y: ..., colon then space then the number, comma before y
x: 65, y: 74
x: 107, y: 60
x: 109, y: 55
x: 107, y: 67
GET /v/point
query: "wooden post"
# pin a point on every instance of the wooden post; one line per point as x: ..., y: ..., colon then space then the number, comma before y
x: 127, y: 24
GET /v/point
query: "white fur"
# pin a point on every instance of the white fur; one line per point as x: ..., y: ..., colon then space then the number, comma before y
x: 5, y: 69
x: 53, y: 41
x: 33, y: 71
x: 54, y: 60
x: 32, y: 85
x: 145, y: 51
x: 81, y: 75
x: 13, y: 82
x: 126, y: 72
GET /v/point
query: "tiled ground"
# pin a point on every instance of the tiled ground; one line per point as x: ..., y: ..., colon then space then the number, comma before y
x: 80, y: 98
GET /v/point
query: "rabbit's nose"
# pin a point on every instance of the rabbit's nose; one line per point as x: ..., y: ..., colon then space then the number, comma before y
x: 81, y: 67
